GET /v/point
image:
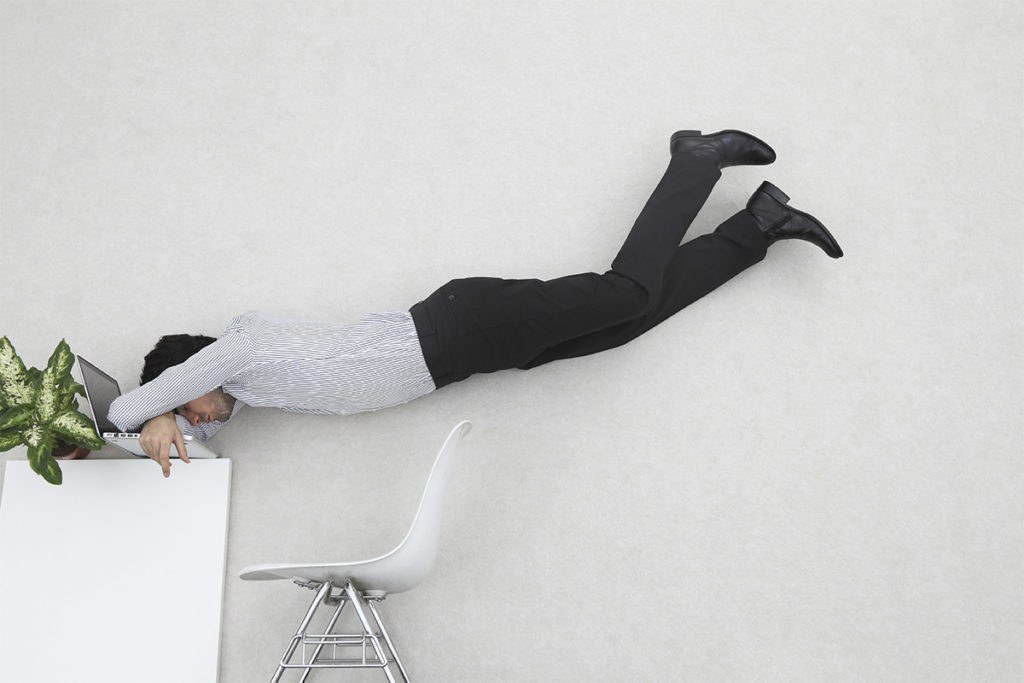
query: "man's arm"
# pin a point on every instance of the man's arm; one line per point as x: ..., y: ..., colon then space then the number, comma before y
x: 206, y: 370
x: 152, y: 405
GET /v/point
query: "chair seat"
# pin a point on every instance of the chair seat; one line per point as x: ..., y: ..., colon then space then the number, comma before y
x: 380, y: 575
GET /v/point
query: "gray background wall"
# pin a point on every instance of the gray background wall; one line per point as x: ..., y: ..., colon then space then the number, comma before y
x: 813, y: 474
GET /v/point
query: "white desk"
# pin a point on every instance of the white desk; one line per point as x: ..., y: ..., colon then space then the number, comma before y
x: 116, y: 575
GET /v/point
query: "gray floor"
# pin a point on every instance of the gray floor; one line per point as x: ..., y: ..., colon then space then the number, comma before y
x: 813, y: 474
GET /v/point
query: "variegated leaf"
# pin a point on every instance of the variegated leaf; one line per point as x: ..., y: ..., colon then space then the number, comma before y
x: 74, y: 427
x: 51, y: 472
x: 69, y: 390
x: 15, y: 388
x: 17, y: 416
x: 42, y: 462
x: 61, y: 360
x: 35, y: 380
x: 34, y: 435
x: 48, y: 399
x: 66, y: 401
x: 34, y: 458
x: 9, y: 440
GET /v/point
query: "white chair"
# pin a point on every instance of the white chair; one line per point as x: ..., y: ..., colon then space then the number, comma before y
x: 366, y: 583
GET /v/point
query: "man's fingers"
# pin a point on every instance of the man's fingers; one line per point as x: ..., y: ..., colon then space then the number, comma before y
x: 165, y: 460
x: 157, y: 436
x: 179, y: 443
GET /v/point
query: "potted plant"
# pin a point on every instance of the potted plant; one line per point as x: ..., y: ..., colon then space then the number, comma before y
x: 39, y: 408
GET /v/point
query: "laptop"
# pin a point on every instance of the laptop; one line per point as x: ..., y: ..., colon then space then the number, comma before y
x: 100, y: 391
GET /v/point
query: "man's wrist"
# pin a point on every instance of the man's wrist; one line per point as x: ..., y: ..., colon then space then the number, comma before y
x: 160, y: 418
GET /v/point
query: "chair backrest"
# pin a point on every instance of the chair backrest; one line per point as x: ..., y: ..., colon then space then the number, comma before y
x: 409, y: 563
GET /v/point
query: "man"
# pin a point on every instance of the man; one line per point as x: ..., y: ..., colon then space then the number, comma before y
x: 471, y: 325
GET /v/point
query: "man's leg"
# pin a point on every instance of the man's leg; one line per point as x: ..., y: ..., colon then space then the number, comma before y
x: 696, y: 165
x: 697, y: 268
x: 490, y: 324
x: 650, y: 245
x: 481, y: 325
x: 703, y: 264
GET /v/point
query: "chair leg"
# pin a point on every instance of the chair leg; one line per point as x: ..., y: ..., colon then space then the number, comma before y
x: 357, y: 605
x: 325, y: 590
x: 342, y: 600
x: 387, y: 638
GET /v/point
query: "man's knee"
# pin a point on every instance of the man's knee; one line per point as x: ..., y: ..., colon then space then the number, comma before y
x: 637, y: 297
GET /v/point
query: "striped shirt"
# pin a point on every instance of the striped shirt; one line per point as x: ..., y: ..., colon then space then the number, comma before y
x: 298, y: 365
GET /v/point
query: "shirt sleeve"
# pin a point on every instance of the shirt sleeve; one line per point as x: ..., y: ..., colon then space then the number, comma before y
x: 206, y: 370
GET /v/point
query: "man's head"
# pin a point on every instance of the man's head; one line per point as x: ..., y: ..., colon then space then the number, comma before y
x: 215, y: 406
x: 174, y: 349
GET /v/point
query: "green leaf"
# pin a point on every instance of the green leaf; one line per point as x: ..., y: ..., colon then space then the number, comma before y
x: 43, y: 463
x: 52, y: 472
x: 35, y: 378
x: 73, y: 387
x: 34, y: 436
x: 66, y: 401
x: 69, y: 389
x: 76, y: 428
x: 18, y: 416
x: 15, y: 388
x: 9, y: 440
x: 61, y: 360
x: 52, y: 383
x: 48, y: 399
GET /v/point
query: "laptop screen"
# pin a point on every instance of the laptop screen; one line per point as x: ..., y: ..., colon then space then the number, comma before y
x: 101, y: 389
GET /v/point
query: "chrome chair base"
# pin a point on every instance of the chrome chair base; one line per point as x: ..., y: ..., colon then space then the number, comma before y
x: 375, y: 649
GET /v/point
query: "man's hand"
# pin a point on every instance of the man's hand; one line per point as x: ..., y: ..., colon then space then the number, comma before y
x: 158, y: 435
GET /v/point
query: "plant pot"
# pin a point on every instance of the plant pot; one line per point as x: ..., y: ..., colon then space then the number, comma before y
x: 68, y: 451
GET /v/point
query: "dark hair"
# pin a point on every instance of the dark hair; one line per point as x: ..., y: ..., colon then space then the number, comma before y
x: 172, y: 349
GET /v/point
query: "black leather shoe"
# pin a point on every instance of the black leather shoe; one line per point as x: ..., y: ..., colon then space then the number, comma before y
x: 778, y: 221
x: 725, y: 148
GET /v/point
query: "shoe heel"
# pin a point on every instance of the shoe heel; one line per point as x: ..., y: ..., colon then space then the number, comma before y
x: 774, y: 192
x: 680, y: 134
x: 685, y: 134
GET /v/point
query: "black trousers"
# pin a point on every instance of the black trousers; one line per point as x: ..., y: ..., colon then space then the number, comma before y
x: 476, y: 325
